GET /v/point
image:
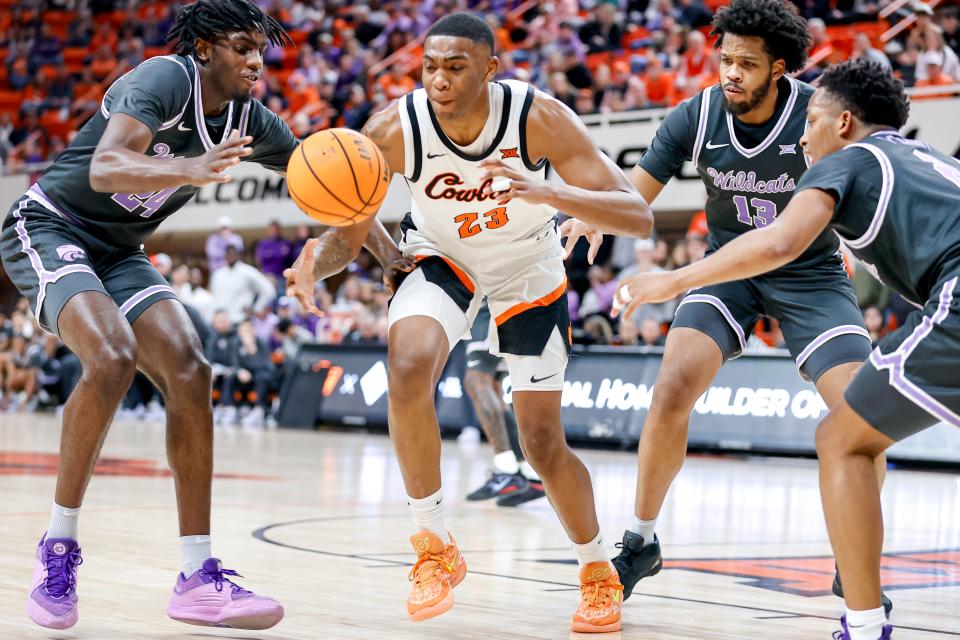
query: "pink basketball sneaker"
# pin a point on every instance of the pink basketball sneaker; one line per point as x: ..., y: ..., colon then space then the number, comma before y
x: 53, y: 596
x: 209, y: 598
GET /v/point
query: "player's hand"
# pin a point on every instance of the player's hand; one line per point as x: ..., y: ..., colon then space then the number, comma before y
x: 530, y: 190
x: 301, y: 282
x: 572, y: 230
x: 646, y: 288
x: 210, y: 167
x: 395, y: 272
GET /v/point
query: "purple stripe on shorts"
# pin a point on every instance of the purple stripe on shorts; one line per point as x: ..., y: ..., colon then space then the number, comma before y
x: 894, y: 362
x: 828, y: 335
x: 722, y: 308
x: 140, y: 296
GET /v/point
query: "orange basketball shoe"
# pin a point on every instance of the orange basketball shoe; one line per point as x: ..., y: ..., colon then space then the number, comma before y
x: 438, y: 570
x: 601, y: 599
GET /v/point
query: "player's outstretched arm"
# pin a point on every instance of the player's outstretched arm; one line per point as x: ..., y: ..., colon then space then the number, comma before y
x: 323, y: 257
x: 746, y: 256
x: 120, y: 166
x: 596, y: 190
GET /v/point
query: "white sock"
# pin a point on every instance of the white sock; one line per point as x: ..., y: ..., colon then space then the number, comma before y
x: 63, y: 522
x: 592, y: 551
x: 866, y: 625
x: 644, y: 528
x: 506, y: 462
x: 428, y: 514
x: 527, y: 471
x: 194, y: 550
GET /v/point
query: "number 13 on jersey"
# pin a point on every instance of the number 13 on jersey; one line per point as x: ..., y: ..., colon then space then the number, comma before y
x: 766, y: 211
x: 471, y: 223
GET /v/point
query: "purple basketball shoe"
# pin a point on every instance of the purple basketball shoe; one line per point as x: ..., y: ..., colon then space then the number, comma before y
x: 209, y: 598
x: 844, y: 634
x: 53, y: 596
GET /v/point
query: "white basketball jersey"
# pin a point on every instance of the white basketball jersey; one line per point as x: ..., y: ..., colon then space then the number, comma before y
x: 450, y: 216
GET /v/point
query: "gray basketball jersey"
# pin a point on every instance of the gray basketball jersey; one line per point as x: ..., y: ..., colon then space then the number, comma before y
x: 750, y: 172
x: 898, y: 210
x: 165, y: 94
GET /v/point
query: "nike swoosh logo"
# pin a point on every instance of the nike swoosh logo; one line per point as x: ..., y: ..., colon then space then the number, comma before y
x: 710, y: 145
x: 536, y: 380
x: 431, y: 156
x: 180, y: 127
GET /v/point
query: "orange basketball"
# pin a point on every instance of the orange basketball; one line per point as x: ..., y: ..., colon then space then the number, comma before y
x: 338, y: 177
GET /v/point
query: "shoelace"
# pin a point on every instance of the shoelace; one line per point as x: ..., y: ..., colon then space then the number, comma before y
x: 62, y: 572
x: 598, y: 593
x: 219, y: 577
x: 428, y: 574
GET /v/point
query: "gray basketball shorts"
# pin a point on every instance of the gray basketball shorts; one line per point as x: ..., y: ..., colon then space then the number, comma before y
x: 912, y: 379
x: 50, y: 260
x: 816, y: 308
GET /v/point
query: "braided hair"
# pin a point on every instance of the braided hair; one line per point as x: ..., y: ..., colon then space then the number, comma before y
x: 207, y: 19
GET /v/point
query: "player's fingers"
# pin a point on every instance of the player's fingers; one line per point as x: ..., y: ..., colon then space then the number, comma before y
x: 594, y: 249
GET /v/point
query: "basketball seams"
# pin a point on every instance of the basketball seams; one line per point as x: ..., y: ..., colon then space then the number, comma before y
x: 322, y: 184
x: 303, y: 204
x: 353, y: 172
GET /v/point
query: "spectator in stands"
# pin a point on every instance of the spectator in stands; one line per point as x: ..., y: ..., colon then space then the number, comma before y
x: 364, y: 329
x: 949, y: 62
x: 18, y: 73
x: 659, y: 14
x: 396, y: 83
x: 47, y: 48
x: 906, y: 67
x: 60, y: 93
x: 164, y: 265
x: 264, y: 322
x: 356, y: 110
x: 104, y: 63
x: 694, y: 14
x: 365, y: 30
x: 19, y: 377
x: 698, y: 67
x: 659, y: 84
x: 6, y: 129
x: 627, y: 91
x: 923, y: 24
x: 217, y: 243
x: 252, y: 371
x: 651, y: 335
x: 240, y: 288
x: 584, y: 104
x: 863, y: 48
x: 932, y: 64
x: 628, y: 335
x: 643, y: 249
x: 821, y: 50
x: 289, y: 337
x: 559, y: 87
x: 873, y: 320
x: 80, y: 31
x: 568, y: 42
x: 950, y: 24
x: 105, y: 35
x: 274, y: 253
x: 599, y: 297
x: 597, y: 330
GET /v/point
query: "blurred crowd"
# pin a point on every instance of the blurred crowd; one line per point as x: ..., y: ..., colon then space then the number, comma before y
x: 351, y: 59
x: 251, y: 331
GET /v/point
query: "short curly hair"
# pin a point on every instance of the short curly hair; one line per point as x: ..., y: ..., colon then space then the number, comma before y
x: 783, y: 31
x: 869, y: 91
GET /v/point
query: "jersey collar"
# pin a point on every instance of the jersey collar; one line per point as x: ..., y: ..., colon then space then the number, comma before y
x: 208, y: 142
x: 781, y: 123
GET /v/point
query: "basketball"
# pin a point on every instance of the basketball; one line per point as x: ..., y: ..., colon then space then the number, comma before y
x: 338, y: 177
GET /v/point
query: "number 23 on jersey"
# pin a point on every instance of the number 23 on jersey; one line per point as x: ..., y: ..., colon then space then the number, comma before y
x: 473, y: 223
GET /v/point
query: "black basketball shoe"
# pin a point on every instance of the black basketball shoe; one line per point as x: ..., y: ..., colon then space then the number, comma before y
x: 838, y: 591
x: 498, y: 484
x: 530, y: 490
x: 636, y: 560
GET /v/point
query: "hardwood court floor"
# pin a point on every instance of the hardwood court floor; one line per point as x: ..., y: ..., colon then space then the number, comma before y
x: 318, y: 521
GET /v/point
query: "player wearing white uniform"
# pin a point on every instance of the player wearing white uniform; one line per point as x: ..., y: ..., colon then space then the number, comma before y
x: 471, y: 233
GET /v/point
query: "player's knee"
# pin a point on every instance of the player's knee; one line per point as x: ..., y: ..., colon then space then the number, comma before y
x: 196, y: 373
x: 542, y: 449
x: 834, y: 438
x: 676, y: 392
x: 411, y: 371
x: 115, y: 364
